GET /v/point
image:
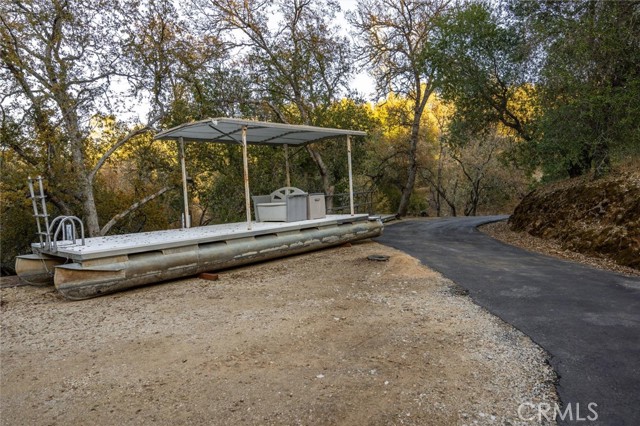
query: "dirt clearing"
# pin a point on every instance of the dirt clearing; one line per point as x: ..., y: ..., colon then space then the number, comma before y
x: 323, y: 338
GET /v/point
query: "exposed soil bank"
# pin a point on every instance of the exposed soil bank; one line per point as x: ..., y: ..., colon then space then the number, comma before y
x: 593, y: 216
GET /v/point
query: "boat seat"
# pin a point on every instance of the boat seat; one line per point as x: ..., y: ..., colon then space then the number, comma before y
x: 286, y: 204
x: 259, y: 199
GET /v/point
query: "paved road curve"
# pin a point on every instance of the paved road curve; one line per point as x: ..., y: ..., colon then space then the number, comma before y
x: 588, y: 320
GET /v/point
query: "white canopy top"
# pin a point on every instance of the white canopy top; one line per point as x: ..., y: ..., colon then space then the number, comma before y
x: 229, y: 130
x: 245, y: 132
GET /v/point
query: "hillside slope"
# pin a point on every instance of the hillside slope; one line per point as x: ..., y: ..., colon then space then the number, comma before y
x: 598, y: 217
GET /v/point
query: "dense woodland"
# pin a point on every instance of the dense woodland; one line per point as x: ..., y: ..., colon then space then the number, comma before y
x: 476, y: 102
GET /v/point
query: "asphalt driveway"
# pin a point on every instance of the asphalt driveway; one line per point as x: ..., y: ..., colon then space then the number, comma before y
x: 588, y: 320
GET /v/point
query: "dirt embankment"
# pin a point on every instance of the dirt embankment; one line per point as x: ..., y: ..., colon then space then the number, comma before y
x: 599, y: 217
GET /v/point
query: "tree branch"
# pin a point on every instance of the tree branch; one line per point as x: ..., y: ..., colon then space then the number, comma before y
x: 135, y: 206
x: 106, y: 155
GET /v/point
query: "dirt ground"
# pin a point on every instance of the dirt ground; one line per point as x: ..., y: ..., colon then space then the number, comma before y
x: 599, y: 217
x: 323, y: 338
x: 550, y: 247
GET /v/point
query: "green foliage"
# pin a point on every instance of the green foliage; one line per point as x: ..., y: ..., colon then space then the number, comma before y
x: 562, y: 76
x: 64, y: 63
x: 482, y: 69
x: 140, y: 169
x: 17, y: 226
x: 590, y: 80
x: 470, y: 89
x: 344, y: 114
x: 394, y: 37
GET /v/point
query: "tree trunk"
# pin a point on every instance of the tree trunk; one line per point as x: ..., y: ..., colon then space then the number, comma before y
x: 315, y: 155
x: 407, y: 190
x: 324, y: 174
x: 471, y: 208
x: 418, y: 110
x: 601, y: 159
x: 452, y: 204
x: 439, y: 181
x: 84, y: 178
x: 85, y: 189
x: 89, y: 207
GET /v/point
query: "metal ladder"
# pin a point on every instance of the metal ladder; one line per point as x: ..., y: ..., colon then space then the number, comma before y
x: 65, y: 225
x: 40, y: 212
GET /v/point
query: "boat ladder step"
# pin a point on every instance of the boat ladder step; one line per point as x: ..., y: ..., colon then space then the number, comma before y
x: 40, y: 211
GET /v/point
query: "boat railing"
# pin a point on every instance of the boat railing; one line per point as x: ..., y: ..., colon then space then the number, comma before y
x: 66, y: 231
x: 339, y: 203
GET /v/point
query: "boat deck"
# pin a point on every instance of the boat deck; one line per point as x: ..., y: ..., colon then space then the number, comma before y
x: 114, y: 245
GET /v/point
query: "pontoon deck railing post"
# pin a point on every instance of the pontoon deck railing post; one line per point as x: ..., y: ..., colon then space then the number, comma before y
x: 185, y: 195
x: 350, y: 175
x: 286, y: 164
x: 245, y: 162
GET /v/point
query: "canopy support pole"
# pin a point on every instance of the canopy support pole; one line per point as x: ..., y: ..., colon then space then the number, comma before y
x: 245, y: 163
x: 286, y: 162
x: 350, y: 174
x: 185, y: 195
